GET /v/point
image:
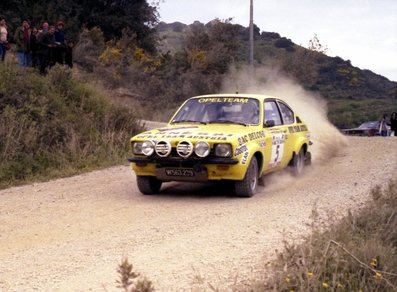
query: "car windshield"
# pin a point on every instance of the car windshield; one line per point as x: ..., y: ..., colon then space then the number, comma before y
x: 369, y: 125
x: 230, y: 110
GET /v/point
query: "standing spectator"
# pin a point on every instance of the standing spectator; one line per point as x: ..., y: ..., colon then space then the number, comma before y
x: 34, y: 47
x: 59, y: 50
x: 393, y: 124
x: 383, y: 126
x: 47, y: 44
x: 41, y: 33
x: 22, y: 40
x: 3, y: 37
x: 44, y: 27
x: 69, y: 53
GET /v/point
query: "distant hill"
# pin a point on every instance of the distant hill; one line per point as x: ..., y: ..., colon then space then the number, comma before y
x: 353, y: 95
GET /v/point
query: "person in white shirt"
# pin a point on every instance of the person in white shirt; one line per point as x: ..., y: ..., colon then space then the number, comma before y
x: 383, y: 126
x: 3, y: 37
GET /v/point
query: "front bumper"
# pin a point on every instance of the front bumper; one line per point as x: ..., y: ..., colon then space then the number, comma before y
x: 179, y: 161
x: 204, y: 169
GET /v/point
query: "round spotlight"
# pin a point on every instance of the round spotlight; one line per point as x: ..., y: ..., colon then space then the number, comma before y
x: 163, y: 148
x: 202, y: 149
x: 184, y: 149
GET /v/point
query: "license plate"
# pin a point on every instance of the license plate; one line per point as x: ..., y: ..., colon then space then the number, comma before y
x: 179, y: 172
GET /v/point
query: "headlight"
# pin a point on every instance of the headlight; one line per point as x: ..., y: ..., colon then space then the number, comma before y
x: 202, y: 149
x: 223, y: 150
x: 137, y: 148
x: 148, y: 148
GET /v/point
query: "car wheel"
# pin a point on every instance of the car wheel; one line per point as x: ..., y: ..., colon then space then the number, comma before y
x: 248, y: 186
x: 148, y: 185
x: 298, y: 163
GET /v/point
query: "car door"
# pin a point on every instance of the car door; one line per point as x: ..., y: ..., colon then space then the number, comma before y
x: 288, y: 120
x: 276, y: 137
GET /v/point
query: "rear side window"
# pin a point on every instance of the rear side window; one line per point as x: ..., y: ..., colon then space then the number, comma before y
x: 286, y: 113
x: 272, y: 113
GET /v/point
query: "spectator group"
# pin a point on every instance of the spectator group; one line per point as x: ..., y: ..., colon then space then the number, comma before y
x: 38, y: 47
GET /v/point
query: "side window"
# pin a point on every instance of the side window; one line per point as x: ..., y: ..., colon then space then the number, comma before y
x: 272, y: 113
x: 286, y: 113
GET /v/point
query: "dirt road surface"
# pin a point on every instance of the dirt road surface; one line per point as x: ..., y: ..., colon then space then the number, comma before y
x: 70, y: 234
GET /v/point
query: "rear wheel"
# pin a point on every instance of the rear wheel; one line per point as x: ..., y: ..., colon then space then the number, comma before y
x: 148, y: 185
x: 248, y: 186
x: 298, y: 163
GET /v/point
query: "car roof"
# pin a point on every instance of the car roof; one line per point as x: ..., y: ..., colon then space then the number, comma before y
x: 240, y: 95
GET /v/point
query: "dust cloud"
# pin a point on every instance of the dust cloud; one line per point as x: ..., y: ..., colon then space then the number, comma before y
x: 311, y: 108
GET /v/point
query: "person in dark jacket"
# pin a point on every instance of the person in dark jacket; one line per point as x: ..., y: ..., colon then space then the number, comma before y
x: 59, y: 50
x: 40, y: 34
x: 69, y: 53
x: 393, y: 124
x: 34, y: 47
x: 48, y: 44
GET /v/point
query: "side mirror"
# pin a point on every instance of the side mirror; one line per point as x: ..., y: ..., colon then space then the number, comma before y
x: 269, y: 123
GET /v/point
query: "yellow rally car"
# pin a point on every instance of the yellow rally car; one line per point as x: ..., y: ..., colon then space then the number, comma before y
x: 234, y: 137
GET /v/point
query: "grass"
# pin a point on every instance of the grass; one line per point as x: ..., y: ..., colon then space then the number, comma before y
x: 131, y: 280
x: 55, y: 126
x: 358, y: 253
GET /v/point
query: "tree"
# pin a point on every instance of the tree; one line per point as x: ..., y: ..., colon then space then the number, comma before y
x: 213, y: 47
x: 111, y: 16
x: 315, y: 45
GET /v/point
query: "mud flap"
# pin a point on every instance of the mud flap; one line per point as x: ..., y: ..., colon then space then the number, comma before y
x: 261, y: 181
x: 308, y: 158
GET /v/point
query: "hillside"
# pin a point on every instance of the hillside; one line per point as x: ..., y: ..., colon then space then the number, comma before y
x: 353, y: 95
x: 53, y: 126
x: 158, y: 65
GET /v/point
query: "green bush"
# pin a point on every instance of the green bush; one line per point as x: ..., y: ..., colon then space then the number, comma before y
x: 284, y: 43
x: 56, y: 125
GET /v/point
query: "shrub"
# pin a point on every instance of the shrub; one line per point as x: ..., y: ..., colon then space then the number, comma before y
x: 131, y: 281
x: 284, y: 43
x: 55, y: 124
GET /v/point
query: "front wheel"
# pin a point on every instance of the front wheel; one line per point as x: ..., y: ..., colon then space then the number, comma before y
x: 248, y: 186
x: 148, y: 185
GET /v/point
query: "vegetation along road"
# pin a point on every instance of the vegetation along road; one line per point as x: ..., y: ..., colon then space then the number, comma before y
x: 70, y: 234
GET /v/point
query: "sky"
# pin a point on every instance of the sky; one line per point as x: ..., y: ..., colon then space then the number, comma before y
x: 362, y: 31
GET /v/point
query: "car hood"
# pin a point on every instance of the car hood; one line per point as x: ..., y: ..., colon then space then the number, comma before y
x: 209, y: 132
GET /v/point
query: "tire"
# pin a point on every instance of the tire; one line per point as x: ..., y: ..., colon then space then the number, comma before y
x: 148, y: 185
x: 249, y: 185
x: 298, y: 163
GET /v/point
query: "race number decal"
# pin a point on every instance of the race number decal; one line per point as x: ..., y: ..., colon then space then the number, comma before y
x: 277, y: 149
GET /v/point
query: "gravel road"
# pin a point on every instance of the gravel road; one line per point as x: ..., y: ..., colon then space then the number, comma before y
x: 70, y: 234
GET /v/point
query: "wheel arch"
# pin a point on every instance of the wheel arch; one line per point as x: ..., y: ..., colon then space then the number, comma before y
x: 303, y: 146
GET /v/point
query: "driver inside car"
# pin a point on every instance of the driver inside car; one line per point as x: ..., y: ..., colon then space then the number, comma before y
x: 212, y: 113
x: 250, y: 113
